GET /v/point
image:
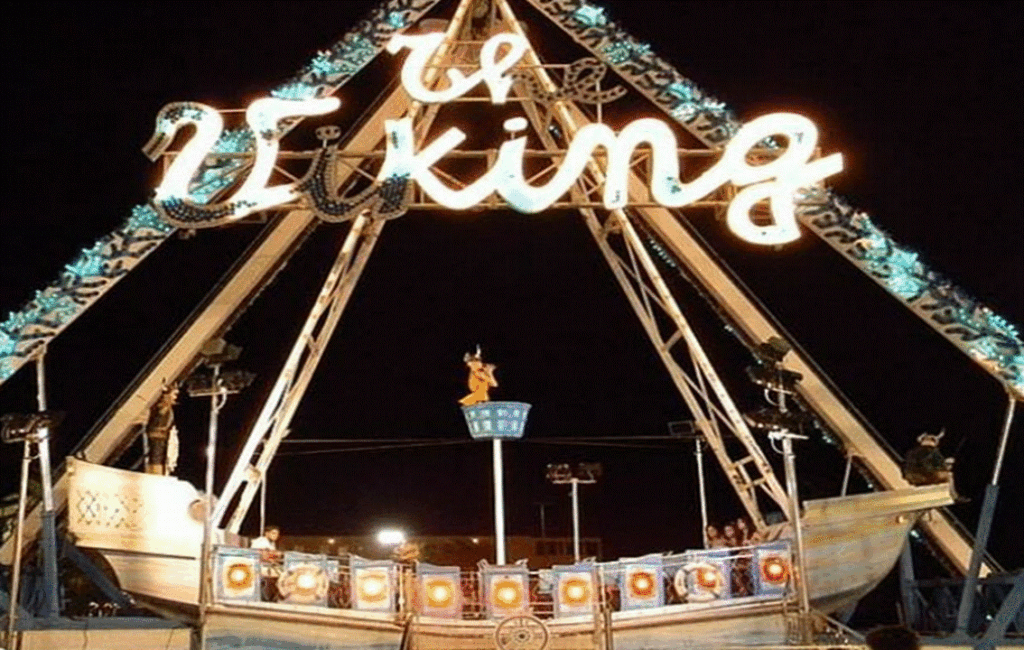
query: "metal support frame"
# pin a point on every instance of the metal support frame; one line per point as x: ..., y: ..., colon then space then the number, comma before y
x: 803, y: 589
x: 703, y: 392
x: 271, y: 427
x: 217, y: 399
x: 1011, y: 611
x: 635, y: 272
x: 909, y: 593
x: 96, y: 575
x: 48, y: 541
x: 750, y: 319
x: 14, y: 606
x: 698, y: 453
x: 273, y: 423
x: 988, y: 509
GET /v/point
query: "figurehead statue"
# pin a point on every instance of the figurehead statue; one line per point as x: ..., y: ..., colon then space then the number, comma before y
x: 925, y: 464
x: 481, y: 379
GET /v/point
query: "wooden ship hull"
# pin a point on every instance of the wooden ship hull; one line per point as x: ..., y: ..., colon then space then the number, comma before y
x: 149, y: 530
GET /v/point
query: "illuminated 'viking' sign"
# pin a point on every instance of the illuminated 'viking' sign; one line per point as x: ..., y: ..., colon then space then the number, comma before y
x: 776, y: 181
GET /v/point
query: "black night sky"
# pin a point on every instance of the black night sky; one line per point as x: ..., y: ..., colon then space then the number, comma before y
x: 922, y: 99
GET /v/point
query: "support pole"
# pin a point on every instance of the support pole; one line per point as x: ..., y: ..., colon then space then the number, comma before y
x: 48, y: 541
x: 988, y: 509
x: 263, y: 502
x: 846, y: 475
x: 499, y: 503
x: 205, y: 592
x: 699, y: 453
x: 908, y: 588
x: 576, y: 520
x: 798, y: 534
x: 19, y: 533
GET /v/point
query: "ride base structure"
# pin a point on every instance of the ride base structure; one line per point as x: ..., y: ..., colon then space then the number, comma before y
x: 628, y: 185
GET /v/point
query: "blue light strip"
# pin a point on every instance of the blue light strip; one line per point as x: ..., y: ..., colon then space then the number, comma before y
x: 97, y: 268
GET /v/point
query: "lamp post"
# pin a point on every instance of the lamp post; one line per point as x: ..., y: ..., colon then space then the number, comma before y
x: 33, y: 429
x: 216, y: 385
x: 584, y: 473
x: 781, y: 424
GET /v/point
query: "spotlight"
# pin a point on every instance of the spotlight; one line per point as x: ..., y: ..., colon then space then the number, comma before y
x: 18, y: 427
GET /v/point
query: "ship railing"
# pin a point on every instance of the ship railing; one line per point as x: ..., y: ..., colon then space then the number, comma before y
x: 715, y: 576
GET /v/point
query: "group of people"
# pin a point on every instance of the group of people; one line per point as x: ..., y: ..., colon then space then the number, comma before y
x: 733, y: 534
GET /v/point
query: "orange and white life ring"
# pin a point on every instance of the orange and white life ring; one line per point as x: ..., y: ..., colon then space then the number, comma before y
x: 699, y: 582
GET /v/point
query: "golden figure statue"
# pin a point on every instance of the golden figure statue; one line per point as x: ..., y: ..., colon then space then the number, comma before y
x: 481, y: 379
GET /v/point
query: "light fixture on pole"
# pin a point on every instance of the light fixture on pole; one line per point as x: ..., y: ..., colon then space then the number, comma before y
x: 583, y: 473
x: 782, y: 424
x: 217, y: 386
x: 390, y: 537
x: 33, y: 429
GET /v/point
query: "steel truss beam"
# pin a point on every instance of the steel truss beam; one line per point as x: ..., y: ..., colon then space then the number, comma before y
x: 118, y: 428
x: 272, y: 425
x: 700, y: 387
x: 857, y: 437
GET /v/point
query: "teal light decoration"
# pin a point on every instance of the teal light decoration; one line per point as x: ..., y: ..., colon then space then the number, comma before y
x: 682, y: 91
x: 360, y: 51
x: 6, y: 367
x: 906, y: 274
x: 1001, y: 325
x: 234, y: 141
x: 19, y: 320
x: 985, y: 349
x: 687, y: 95
x: 622, y: 51
x: 295, y: 90
x: 684, y: 112
x: 396, y: 19
x: 7, y: 342
x: 324, y: 65
x: 590, y: 15
x: 89, y: 263
x: 144, y: 217
x: 905, y: 286
x: 55, y: 306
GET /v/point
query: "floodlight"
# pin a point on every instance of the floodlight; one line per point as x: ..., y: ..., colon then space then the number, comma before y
x: 390, y: 537
x: 18, y: 427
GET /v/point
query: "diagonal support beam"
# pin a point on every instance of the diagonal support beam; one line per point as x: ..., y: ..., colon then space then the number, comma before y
x: 701, y: 404
x: 275, y: 418
x: 115, y: 431
x: 272, y: 425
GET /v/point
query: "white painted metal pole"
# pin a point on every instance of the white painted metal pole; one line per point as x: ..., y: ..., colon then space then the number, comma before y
x: 211, y: 457
x: 798, y: 534
x: 19, y: 531
x: 49, y: 524
x: 846, y: 476
x: 699, y: 453
x: 263, y: 502
x: 499, y: 503
x: 576, y: 519
x: 1003, y: 440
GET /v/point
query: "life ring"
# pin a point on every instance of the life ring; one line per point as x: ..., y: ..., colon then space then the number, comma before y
x: 303, y: 584
x: 699, y: 582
